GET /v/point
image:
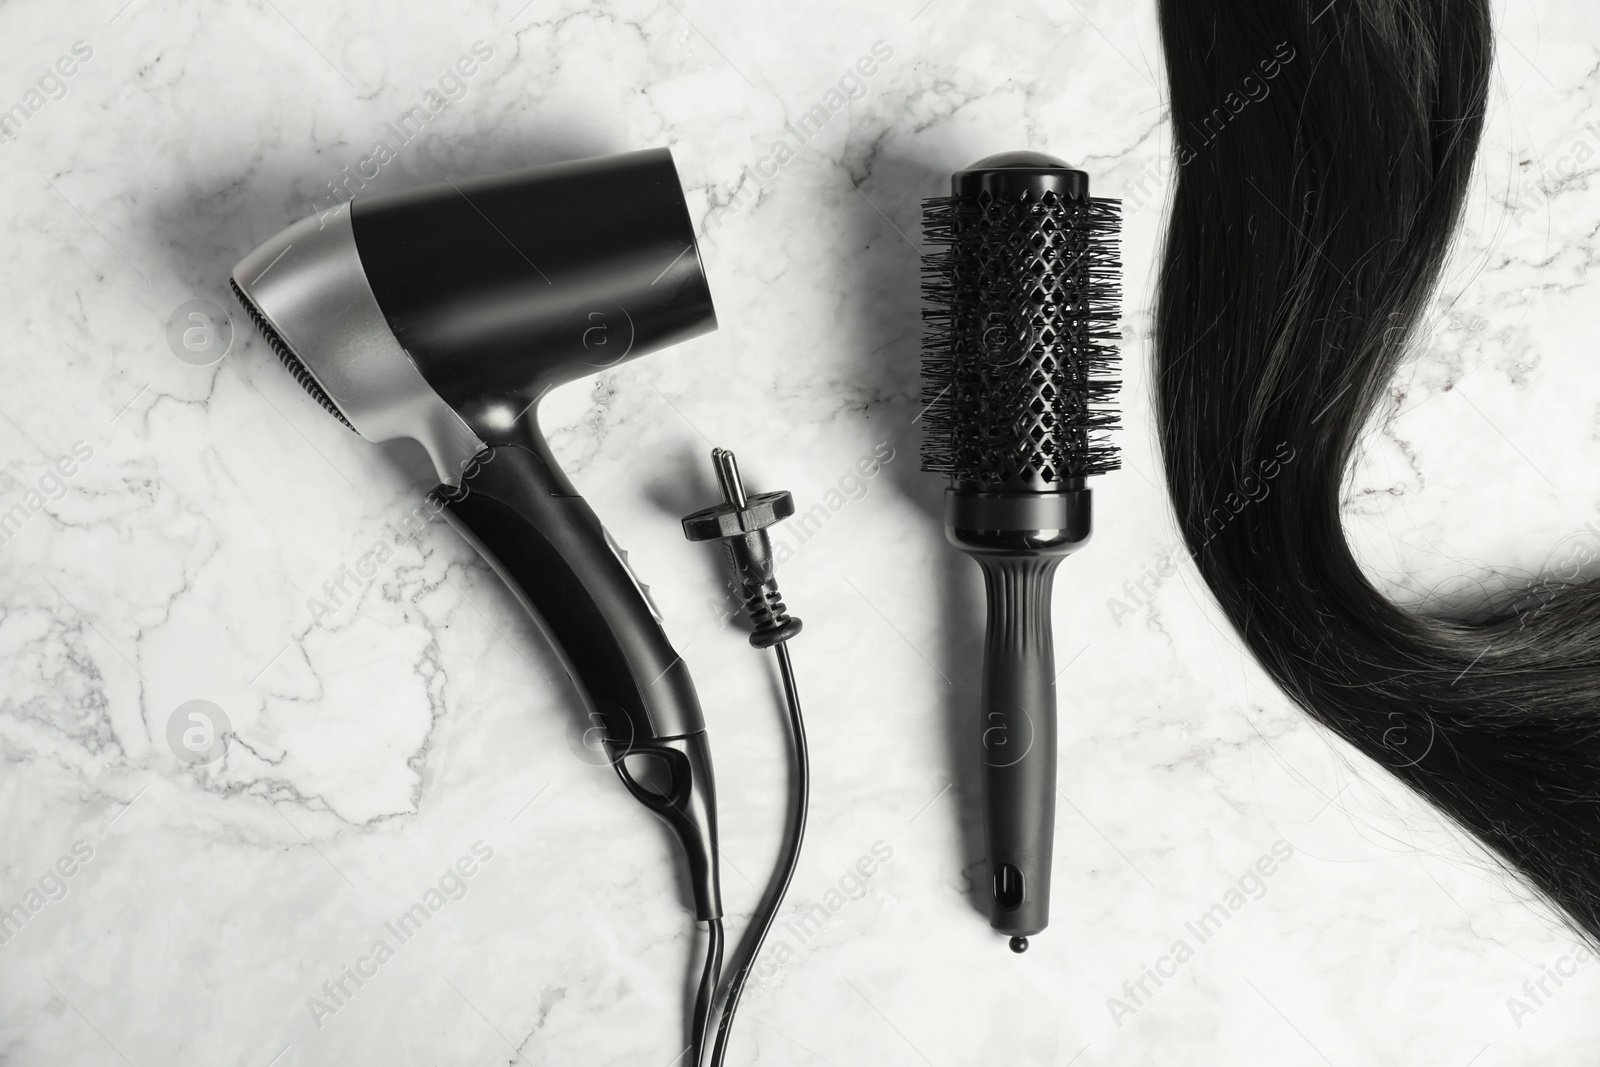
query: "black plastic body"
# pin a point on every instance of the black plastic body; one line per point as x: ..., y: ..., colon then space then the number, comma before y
x: 1012, y: 174
x: 1018, y: 539
x: 552, y: 551
x: 688, y: 804
x: 549, y: 547
x: 742, y: 529
x: 499, y: 289
x: 1021, y: 302
x: 1020, y: 308
x: 503, y: 287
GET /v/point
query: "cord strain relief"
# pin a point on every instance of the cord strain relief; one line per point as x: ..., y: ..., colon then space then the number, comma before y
x: 770, y: 618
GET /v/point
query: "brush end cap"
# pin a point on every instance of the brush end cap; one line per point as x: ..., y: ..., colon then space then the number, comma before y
x: 1010, y: 174
x: 1021, y: 160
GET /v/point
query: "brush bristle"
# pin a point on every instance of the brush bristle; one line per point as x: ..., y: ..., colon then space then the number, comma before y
x: 1020, y: 323
x: 286, y: 356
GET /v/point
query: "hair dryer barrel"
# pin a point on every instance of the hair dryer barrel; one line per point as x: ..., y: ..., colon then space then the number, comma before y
x: 504, y: 286
x: 443, y: 314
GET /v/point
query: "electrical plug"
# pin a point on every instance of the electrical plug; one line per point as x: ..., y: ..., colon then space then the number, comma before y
x: 740, y: 523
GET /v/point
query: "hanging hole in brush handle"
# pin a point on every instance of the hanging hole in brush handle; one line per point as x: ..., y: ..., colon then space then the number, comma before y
x: 548, y: 546
x: 1008, y: 885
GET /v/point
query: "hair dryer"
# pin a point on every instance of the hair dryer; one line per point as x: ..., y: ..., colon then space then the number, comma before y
x: 444, y: 314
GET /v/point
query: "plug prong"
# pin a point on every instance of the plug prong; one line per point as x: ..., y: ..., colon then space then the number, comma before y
x: 728, y: 476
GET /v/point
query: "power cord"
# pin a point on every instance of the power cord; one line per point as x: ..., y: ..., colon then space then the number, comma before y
x: 704, y: 999
x: 740, y: 523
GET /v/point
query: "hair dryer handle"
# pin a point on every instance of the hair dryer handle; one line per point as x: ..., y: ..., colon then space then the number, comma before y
x: 549, y: 547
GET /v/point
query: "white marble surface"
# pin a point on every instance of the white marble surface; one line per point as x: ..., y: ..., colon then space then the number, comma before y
x: 374, y: 748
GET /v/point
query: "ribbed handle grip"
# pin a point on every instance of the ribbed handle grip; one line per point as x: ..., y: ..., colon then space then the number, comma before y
x: 1019, y: 741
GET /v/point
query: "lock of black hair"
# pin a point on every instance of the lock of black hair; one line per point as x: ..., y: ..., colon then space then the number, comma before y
x: 1324, y: 152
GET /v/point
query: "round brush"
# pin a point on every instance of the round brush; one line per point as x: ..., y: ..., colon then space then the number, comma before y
x: 1021, y: 309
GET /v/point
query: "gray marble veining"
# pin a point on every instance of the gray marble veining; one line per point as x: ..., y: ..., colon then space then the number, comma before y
x: 187, y: 528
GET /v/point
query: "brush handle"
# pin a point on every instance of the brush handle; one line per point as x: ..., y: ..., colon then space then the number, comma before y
x: 1018, y: 741
x: 1019, y: 539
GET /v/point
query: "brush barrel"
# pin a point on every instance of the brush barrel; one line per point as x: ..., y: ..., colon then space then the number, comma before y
x: 1018, y: 539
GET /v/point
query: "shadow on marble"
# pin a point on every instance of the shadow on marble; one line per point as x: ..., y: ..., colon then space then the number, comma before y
x: 887, y: 326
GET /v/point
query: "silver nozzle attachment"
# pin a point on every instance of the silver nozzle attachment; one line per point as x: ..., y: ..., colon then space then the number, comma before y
x: 308, y: 292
